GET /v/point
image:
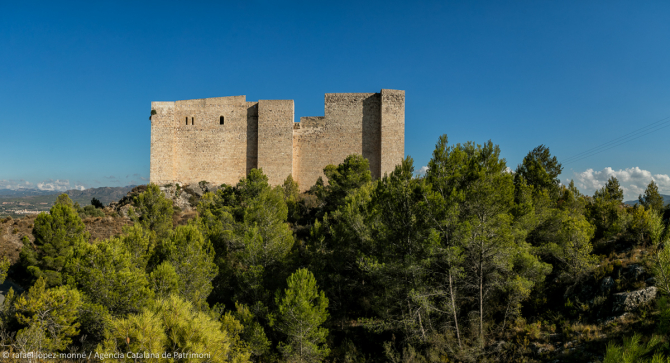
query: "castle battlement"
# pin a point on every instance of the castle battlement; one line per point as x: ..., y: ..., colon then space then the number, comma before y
x: 221, y: 139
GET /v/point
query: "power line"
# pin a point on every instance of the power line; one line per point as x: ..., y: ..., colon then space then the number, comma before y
x: 621, y: 138
x: 646, y: 130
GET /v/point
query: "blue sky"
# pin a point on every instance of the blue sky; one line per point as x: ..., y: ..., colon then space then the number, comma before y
x: 77, y: 78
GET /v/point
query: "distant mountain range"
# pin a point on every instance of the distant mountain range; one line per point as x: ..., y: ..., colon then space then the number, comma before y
x: 104, y: 194
x: 25, y: 192
x: 666, y: 200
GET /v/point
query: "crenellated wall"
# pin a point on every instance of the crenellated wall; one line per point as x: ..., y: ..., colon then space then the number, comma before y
x: 189, y: 144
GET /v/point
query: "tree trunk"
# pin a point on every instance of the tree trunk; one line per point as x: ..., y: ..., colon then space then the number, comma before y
x: 453, y: 307
x: 481, y: 298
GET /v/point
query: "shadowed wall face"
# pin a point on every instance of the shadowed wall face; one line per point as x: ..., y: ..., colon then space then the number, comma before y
x: 252, y: 136
x: 221, y: 139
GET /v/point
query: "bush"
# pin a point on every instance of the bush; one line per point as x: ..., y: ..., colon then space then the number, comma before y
x: 91, y: 211
x: 96, y: 203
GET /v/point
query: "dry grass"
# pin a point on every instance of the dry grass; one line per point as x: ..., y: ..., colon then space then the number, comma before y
x: 13, y: 230
x: 101, y: 228
x: 182, y: 218
x: 11, y: 233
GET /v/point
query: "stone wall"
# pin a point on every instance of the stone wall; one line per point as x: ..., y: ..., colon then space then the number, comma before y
x: 188, y: 143
x: 392, y: 129
x: 162, y: 143
x: 275, y: 139
x: 351, y: 125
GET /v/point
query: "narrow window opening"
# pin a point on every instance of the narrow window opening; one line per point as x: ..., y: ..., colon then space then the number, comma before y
x: 192, y: 120
x: 221, y: 120
x: 187, y: 120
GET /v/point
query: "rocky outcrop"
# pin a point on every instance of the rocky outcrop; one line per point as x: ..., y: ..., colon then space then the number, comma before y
x: 121, y: 207
x: 629, y: 301
x: 184, y: 197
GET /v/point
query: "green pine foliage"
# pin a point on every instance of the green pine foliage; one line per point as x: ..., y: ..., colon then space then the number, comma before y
x: 49, y: 317
x: 105, y: 272
x: 540, y: 171
x: 192, y: 259
x: 173, y: 325
x: 57, y: 233
x: 652, y: 199
x: 153, y: 211
x: 464, y: 263
x: 301, y: 310
x: 634, y: 350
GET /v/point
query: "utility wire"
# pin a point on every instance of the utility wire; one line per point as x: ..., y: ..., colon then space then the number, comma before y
x: 620, y: 138
x: 653, y: 127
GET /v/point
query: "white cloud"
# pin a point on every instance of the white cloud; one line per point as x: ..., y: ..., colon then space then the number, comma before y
x: 633, y: 181
x: 423, y: 170
x: 54, y: 185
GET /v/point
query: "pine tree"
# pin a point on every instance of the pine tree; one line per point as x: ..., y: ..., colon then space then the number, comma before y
x: 292, y: 198
x: 652, y: 199
x: 56, y: 235
x: 405, y: 243
x: 344, y: 179
x: 192, y: 258
x: 443, y: 210
x: 302, y: 309
x: 153, y: 211
x: 540, y: 171
x: 173, y: 325
x: 107, y: 274
x: 49, y: 316
x: 605, y: 211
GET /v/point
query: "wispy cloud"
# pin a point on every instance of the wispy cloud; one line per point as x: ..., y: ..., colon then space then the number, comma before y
x: 423, y: 170
x: 633, y: 180
x: 15, y: 184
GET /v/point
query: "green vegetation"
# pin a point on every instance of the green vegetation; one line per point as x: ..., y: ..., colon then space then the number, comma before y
x: 470, y: 262
x: 302, y: 309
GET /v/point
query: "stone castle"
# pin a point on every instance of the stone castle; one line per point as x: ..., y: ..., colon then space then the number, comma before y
x: 221, y: 139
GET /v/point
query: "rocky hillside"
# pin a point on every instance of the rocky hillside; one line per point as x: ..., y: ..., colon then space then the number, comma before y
x: 105, y: 194
x: 616, y: 300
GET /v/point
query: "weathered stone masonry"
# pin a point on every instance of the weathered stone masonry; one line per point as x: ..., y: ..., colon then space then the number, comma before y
x: 220, y: 140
